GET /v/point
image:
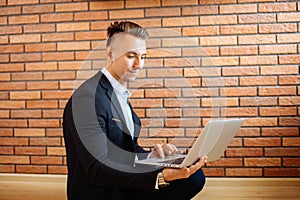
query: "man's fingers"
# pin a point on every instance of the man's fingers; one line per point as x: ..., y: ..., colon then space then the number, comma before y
x: 169, y: 149
x: 158, y: 148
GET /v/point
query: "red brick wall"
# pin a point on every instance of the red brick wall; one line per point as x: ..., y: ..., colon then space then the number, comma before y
x: 206, y: 59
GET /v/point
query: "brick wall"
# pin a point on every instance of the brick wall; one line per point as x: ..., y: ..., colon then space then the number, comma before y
x: 206, y: 59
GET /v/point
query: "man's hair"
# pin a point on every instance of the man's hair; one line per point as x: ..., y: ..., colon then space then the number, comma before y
x: 125, y: 27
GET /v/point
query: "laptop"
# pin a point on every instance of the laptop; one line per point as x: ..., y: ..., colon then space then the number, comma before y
x: 212, y: 141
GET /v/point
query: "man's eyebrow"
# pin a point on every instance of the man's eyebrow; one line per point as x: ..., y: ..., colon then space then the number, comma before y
x: 135, y: 53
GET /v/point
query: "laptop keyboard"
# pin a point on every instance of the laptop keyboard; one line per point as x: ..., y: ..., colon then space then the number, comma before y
x: 175, y: 161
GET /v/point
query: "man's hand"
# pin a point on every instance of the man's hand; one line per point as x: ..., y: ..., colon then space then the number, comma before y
x: 171, y: 174
x: 160, y: 151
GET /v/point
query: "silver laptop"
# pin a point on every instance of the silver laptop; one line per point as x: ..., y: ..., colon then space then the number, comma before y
x: 212, y: 141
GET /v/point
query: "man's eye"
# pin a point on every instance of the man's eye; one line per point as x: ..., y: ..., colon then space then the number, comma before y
x: 143, y: 57
x: 130, y: 56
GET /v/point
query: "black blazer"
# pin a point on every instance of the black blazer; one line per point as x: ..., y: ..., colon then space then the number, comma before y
x: 100, y: 151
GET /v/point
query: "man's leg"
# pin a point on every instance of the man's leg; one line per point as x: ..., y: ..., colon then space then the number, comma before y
x: 183, y: 189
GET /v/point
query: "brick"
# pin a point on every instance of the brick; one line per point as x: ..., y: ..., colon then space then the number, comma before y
x: 25, y: 95
x: 279, y: 111
x: 220, y: 61
x: 238, y: 50
x: 289, y: 59
x: 258, y: 60
x: 53, y: 37
x: 277, y: 28
x: 40, y: 123
x: 39, y: 28
x: 288, y: 38
x: 38, y: 9
x: 9, y: 30
x: 30, y: 150
x: 284, y: 172
x: 240, y: 71
x: 87, y: 16
x: 25, y: 38
x: 261, y: 121
x: 200, y: 51
x: 289, y: 80
x: 6, y: 150
x: 217, y: 1
x: 3, y: 20
x: 289, y: 121
x: 180, y: 21
x: 53, y: 56
x: 106, y: 5
x: 163, y: 93
x: 226, y: 162
x: 18, y: 2
x: 279, y: 69
x: 173, y: 72
x: 25, y: 57
x: 162, y: 12
x: 199, y: 10
x: 154, y: 122
x: 42, y: 104
x: 163, y: 52
x: 12, y: 104
x: 277, y: 49
x: 12, y: 85
x: 288, y: 17
x: 200, y: 31
x: 25, y: 114
x: 51, y: 160
x: 71, y: 7
x: 256, y: 39
x: 218, y: 40
x: 63, y: 17
x: 5, y: 11
x: 291, y: 162
x: 28, y: 132
x: 52, y: 114
x: 158, y: 112
x: 211, y: 172
x: 56, y: 151
x: 277, y: 91
x: 280, y: 131
x: 57, y: 170
x: 14, y: 159
x: 262, y: 162
x: 200, y: 112
x: 210, y: 102
x: 277, y: 7
x: 11, y: 48
x: 38, y: 85
x: 62, y: 94
x: 238, y: 29
x: 219, y: 19
x: 203, y: 92
x: 282, y: 151
x: 4, y: 95
x: 182, y: 102
x: 258, y: 101
x: 13, y: 141
x: 31, y: 169
x: 246, y: 172
x: 178, y: 42
x: 91, y: 35
x: 6, y: 132
x: 22, y: 76
x: 145, y: 83
x: 290, y: 142
x: 186, y: 82
x: 166, y: 132
x: 45, y: 141
x: 262, y: 142
x: 67, y: 46
x: 241, y: 91
x: 242, y: 8
x: 146, y: 103
x: 142, y: 4
x: 74, y: 65
x: 7, y: 168
x: 259, y: 80
x: 75, y: 26
x: 4, y: 114
x: 26, y: 19
x: 244, y: 152
x: 57, y: 132
x: 256, y: 18
x: 124, y: 14
x: 239, y: 112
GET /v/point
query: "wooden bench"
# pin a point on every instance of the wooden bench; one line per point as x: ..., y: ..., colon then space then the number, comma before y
x: 49, y: 187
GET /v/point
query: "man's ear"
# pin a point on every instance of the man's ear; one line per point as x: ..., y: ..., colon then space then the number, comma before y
x: 109, y: 53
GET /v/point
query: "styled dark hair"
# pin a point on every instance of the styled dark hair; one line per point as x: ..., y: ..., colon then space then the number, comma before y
x: 126, y: 27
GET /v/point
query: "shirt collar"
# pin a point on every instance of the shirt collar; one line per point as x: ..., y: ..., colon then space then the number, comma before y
x: 120, y: 89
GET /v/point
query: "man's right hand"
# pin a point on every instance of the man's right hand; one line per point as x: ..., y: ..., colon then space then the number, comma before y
x: 171, y: 174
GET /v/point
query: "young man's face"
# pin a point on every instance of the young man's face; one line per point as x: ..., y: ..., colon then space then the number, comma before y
x: 127, y: 54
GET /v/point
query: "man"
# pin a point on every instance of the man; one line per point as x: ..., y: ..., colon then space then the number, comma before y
x: 101, y: 132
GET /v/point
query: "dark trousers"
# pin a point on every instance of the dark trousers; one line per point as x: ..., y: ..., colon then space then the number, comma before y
x: 183, y: 189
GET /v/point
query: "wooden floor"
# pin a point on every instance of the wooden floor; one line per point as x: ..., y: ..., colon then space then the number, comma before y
x: 53, y: 187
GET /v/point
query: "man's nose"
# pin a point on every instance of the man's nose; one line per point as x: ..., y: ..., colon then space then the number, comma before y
x: 138, y: 63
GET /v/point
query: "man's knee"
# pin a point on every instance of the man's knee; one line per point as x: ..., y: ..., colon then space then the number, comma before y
x: 198, y: 180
